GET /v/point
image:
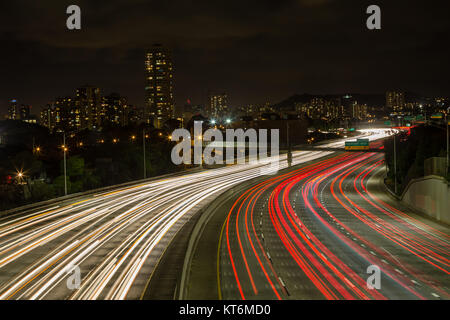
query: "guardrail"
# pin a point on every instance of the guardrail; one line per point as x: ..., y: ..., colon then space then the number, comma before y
x: 93, y: 191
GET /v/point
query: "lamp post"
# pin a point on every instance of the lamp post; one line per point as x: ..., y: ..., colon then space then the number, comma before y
x: 143, y: 147
x: 447, y: 125
x: 20, y: 176
x: 65, y: 165
x: 395, y: 165
x: 200, y: 138
x: 289, y: 154
x: 227, y: 122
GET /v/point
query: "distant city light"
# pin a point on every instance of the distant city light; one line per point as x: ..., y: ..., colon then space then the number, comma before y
x: 228, y: 120
x: 213, y: 121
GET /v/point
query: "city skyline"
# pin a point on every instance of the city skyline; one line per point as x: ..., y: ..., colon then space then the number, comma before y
x: 279, y: 57
x: 216, y: 157
x: 92, y: 109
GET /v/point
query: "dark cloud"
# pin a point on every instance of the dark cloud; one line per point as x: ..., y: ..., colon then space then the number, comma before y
x: 255, y: 50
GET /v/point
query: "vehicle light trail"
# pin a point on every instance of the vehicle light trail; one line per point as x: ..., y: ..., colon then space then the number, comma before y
x: 117, y: 237
x: 323, y: 227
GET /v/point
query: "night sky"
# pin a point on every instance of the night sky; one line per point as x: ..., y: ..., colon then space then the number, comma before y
x: 255, y: 50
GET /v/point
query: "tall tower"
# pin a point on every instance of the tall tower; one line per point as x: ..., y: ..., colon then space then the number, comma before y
x: 395, y: 101
x: 13, y: 113
x: 159, y: 106
x: 88, y: 102
x: 218, y: 106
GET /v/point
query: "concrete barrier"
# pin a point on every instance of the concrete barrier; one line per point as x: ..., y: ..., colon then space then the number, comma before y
x: 430, y: 195
x: 74, y: 196
x: 206, y: 214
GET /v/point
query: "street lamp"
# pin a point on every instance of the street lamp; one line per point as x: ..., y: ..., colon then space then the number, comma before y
x: 20, y: 175
x: 199, y: 138
x: 447, y: 125
x: 144, y: 136
x: 65, y: 164
x: 395, y: 165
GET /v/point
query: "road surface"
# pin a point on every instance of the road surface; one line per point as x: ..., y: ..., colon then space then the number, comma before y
x: 320, y: 231
x: 112, y: 239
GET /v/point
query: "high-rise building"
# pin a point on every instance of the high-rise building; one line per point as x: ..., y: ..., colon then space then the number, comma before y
x: 159, y: 86
x: 88, y: 110
x: 320, y: 108
x: 264, y: 108
x: 87, y: 107
x: 114, y: 110
x: 395, y: 101
x: 67, y: 115
x: 359, y: 111
x: 248, y: 110
x: 135, y: 114
x: 218, y: 106
x: 348, y: 102
x: 13, y: 113
x: 24, y: 112
x: 47, y: 117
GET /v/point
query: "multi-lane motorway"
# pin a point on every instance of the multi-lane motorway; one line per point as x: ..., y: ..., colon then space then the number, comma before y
x: 320, y: 231
x: 113, y: 238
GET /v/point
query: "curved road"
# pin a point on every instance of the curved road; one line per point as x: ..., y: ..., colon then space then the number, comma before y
x: 313, y: 233
x: 113, y: 239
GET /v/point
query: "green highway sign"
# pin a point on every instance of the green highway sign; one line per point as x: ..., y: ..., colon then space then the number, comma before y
x: 436, y: 116
x: 358, y: 142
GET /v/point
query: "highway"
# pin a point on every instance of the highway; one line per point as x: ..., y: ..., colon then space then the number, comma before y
x: 115, y: 238
x: 318, y: 231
